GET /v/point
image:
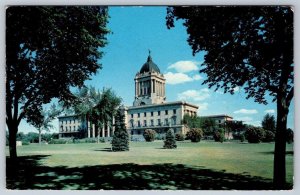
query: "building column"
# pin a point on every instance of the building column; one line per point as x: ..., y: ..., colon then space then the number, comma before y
x: 103, y: 127
x: 107, y: 128
x: 93, y: 130
x: 136, y: 88
x: 113, y: 126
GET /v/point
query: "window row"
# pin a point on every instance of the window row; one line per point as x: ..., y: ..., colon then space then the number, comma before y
x: 66, y: 129
x: 152, y: 123
x: 152, y: 113
x: 68, y: 121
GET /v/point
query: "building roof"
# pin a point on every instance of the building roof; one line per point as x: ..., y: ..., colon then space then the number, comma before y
x: 163, y: 104
x: 149, y: 66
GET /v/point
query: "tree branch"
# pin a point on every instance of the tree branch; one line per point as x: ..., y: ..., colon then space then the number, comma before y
x: 290, y: 96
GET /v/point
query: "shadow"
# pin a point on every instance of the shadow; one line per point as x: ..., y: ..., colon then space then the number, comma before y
x: 104, y: 150
x: 30, y: 174
x: 272, y: 152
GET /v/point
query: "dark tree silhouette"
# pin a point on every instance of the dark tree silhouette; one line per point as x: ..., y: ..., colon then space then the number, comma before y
x: 48, y: 50
x: 249, y: 47
x: 120, y: 141
x: 170, y: 142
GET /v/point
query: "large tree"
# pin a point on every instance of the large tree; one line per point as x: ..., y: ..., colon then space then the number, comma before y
x: 249, y: 47
x: 48, y: 50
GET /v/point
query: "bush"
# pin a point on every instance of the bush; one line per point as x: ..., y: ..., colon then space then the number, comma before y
x: 90, y: 140
x: 289, y: 136
x: 269, y: 136
x: 149, y: 135
x: 219, y: 135
x: 179, y: 137
x: 58, y: 141
x: 254, y: 134
x: 160, y: 136
x: 195, y: 134
x: 170, y: 142
x: 24, y: 143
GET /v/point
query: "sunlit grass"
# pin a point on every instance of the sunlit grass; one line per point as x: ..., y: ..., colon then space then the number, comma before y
x: 233, y: 157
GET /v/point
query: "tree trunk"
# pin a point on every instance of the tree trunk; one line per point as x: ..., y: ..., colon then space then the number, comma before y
x: 40, y: 137
x: 13, y: 129
x: 279, y: 177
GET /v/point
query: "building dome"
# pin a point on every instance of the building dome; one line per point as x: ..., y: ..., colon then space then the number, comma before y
x: 149, y: 66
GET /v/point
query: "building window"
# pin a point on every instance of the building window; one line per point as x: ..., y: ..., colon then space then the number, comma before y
x: 131, y: 123
x: 152, y: 122
x: 174, y: 111
x: 138, y: 115
x: 145, y: 123
x: 158, y: 122
x: 139, y: 124
x: 174, y: 120
x: 74, y: 121
x: 166, y: 121
x: 145, y: 114
x: 151, y: 113
x: 131, y: 115
x: 166, y: 112
x: 158, y: 113
x: 139, y: 132
x: 66, y: 129
x: 219, y: 121
x: 131, y: 132
x: 74, y: 128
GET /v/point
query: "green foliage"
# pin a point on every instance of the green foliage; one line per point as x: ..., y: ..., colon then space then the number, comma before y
x: 50, y: 50
x: 219, y: 135
x: 289, y: 136
x: 249, y: 47
x: 90, y: 140
x: 179, y: 137
x: 195, y: 134
x: 160, y: 136
x: 269, y: 136
x: 58, y: 141
x: 120, y: 141
x: 268, y: 123
x: 254, y: 134
x: 149, y: 135
x: 242, y: 137
x: 170, y: 142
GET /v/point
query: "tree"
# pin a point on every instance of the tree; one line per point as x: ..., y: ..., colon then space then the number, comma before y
x: 120, y: 141
x: 254, y: 134
x: 49, y: 50
x: 149, y: 135
x: 105, y: 109
x: 249, y: 47
x: 170, y: 142
x: 268, y: 123
x: 48, y: 116
x: 195, y: 134
x: 219, y: 135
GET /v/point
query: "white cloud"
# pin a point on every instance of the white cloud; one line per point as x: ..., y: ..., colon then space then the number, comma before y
x: 236, y: 89
x: 194, y: 95
x: 244, y: 119
x: 245, y: 111
x: 202, y: 106
x: 184, y: 66
x: 271, y: 111
x: 177, y: 78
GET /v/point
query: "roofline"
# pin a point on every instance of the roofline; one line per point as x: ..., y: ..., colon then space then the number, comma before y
x: 163, y: 104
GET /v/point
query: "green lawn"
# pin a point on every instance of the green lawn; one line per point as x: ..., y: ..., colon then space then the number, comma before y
x: 204, y: 165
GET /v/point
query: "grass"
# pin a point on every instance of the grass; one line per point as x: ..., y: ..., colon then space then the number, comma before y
x: 201, y: 165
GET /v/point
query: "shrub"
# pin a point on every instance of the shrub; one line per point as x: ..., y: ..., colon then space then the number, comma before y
x: 269, y: 136
x: 170, y: 142
x: 289, y: 136
x: 149, y: 135
x: 25, y: 143
x: 160, y: 136
x: 195, y: 134
x: 219, y: 135
x: 254, y: 134
x: 179, y: 137
x: 58, y: 141
x: 120, y: 141
x: 90, y: 140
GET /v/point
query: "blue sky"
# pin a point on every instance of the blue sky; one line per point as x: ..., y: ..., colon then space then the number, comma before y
x: 137, y: 29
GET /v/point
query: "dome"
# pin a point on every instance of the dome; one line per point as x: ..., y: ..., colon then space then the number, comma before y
x: 149, y: 66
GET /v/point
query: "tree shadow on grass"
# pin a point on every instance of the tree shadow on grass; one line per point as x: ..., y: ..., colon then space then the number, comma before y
x: 30, y: 174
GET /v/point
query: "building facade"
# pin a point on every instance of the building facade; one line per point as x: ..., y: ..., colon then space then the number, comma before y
x: 150, y: 110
